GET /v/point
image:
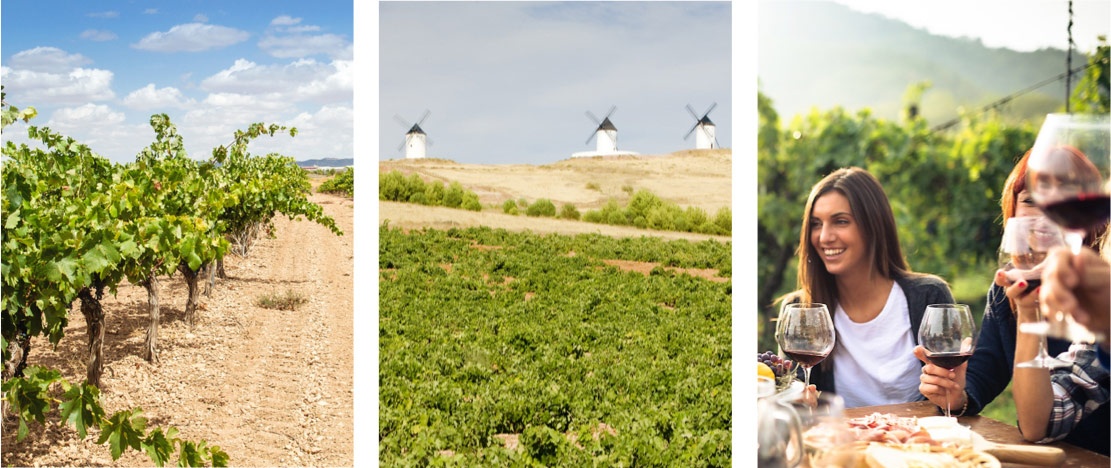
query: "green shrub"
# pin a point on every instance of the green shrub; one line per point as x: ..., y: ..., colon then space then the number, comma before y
x: 541, y: 207
x: 419, y: 198
x: 510, y: 207
x: 593, y: 186
x: 724, y: 220
x: 627, y: 189
x: 342, y: 184
x: 593, y: 216
x: 568, y: 211
x: 470, y: 202
x: 453, y: 197
x: 434, y: 193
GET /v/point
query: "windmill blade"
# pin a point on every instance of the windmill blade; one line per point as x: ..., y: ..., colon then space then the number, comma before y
x: 425, y: 116
x: 688, y: 135
x: 610, y: 113
x: 591, y: 136
x: 712, y: 106
x: 401, y: 146
x: 401, y: 121
x: 691, y: 110
x: 595, y: 119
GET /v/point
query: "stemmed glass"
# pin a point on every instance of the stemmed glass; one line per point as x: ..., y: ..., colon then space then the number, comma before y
x: 1067, y: 175
x: 948, y: 334
x: 805, y: 334
x: 1066, y: 172
x: 1022, y: 252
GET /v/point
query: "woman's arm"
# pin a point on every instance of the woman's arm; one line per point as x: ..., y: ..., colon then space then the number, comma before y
x: 1076, y: 392
x: 1032, y: 390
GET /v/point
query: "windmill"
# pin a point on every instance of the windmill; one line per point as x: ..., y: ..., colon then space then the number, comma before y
x: 416, y: 141
x: 706, y: 137
x: 606, y: 134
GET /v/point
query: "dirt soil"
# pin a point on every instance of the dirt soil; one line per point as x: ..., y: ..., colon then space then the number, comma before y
x: 269, y: 387
x: 701, y: 178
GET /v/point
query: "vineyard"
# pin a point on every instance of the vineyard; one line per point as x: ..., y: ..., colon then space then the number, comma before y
x: 171, y: 360
x: 513, y: 348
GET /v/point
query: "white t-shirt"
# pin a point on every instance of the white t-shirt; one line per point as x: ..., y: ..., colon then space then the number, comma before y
x: 873, y: 362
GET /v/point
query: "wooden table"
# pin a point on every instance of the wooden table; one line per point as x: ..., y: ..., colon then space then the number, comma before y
x: 992, y: 430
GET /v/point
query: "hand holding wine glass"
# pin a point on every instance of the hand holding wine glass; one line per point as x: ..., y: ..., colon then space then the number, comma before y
x: 948, y: 334
x: 1026, y: 242
x: 805, y: 334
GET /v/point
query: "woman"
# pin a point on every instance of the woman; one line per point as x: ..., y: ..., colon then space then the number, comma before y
x: 1070, y: 403
x: 850, y: 260
x: 991, y: 367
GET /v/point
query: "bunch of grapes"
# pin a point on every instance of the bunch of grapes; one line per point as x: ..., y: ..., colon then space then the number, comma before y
x: 784, y: 369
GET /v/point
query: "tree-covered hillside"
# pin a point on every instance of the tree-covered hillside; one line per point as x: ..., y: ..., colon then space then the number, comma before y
x: 823, y: 54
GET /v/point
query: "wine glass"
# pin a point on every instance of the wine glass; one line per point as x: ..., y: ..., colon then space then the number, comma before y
x: 948, y: 334
x: 1067, y: 175
x: 1066, y: 172
x: 805, y: 334
x: 1022, y: 252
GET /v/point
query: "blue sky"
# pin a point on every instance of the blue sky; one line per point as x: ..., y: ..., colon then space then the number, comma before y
x: 97, y: 71
x: 511, y: 82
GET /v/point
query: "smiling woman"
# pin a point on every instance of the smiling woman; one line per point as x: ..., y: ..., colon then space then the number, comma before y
x: 850, y: 259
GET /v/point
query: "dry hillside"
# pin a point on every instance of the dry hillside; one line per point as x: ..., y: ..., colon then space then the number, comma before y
x: 699, y: 178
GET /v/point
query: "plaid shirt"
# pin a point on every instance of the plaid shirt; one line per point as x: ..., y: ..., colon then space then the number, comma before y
x: 1078, y: 390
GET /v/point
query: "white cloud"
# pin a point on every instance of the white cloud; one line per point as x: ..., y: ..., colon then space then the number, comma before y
x: 301, y: 81
x: 301, y: 29
x: 47, y: 59
x: 39, y: 88
x: 104, y: 14
x: 285, y: 20
x: 88, y: 115
x: 97, y: 35
x: 300, y: 45
x: 191, y: 37
x: 151, y: 98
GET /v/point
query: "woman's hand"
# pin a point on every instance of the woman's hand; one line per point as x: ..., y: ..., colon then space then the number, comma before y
x: 936, y: 380
x: 1026, y: 302
x: 1080, y: 285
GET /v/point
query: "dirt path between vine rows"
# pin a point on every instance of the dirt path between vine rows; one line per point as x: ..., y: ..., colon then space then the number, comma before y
x: 271, y: 388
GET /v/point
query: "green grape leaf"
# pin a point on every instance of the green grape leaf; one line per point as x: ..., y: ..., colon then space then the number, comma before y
x: 219, y: 456
x: 159, y: 446
x: 81, y: 407
x: 124, y: 429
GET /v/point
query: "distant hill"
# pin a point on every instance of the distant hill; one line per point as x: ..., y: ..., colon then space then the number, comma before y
x: 824, y: 54
x: 327, y: 162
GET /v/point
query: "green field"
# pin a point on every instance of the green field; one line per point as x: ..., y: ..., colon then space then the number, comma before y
x: 502, y: 348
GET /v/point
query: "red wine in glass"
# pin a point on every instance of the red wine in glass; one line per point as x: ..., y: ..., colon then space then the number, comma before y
x: 948, y: 335
x: 805, y: 358
x: 1081, y: 212
x: 805, y: 334
x: 948, y: 360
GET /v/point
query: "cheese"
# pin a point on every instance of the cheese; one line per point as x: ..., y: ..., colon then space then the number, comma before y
x: 946, y: 431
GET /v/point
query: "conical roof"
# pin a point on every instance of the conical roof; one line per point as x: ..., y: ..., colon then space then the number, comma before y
x: 607, y: 125
x: 416, y: 129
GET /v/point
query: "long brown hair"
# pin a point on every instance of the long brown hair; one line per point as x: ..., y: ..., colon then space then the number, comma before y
x: 873, y: 214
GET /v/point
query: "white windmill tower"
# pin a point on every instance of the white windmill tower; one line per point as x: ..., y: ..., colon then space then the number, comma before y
x: 707, y: 132
x: 416, y: 141
x: 605, y: 135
